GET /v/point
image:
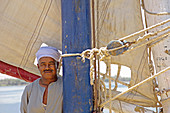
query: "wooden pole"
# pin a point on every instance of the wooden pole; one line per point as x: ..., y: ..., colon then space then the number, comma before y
x: 76, y: 37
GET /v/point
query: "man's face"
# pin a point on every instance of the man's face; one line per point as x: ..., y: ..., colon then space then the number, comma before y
x: 46, y: 66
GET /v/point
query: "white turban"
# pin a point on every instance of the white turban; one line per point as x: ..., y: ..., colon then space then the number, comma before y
x: 48, y: 52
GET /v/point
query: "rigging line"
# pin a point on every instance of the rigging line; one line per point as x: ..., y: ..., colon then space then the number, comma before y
x: 20, y: 74
x: 143, y: 30
x: 153, y: 13
x: 117, y: 77
x: 69, y: 55
x: 110, y: 92
x: 146, y: 25
x: 121, y: 106
x: 98, y: 81
x: 94, y: 45
x: 104, y: 90
x: 102, y: 12
x: 98, y: 59
x: 93, y: 25
x: 140, y: 39
x: 97, y: 26
x: 136, y: 90
x: 148, y: 35
x: 140, y: 83
x: 152, y: 73
x: 150, y: 41
x: 33, y: 34
x: 155, y: 43
x: 98, y: 19
x: 104, y: 16
x: 38, y: 32
x: 138, y: 75
x: 125, y: 84
x: 88, y: 53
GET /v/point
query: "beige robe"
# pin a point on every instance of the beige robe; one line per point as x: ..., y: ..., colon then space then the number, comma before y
x: 32, y: 98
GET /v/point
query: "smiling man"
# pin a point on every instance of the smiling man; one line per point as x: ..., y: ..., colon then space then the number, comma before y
x: 44, y: 95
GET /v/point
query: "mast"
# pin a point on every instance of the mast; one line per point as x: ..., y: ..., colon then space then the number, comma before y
x: 76, y: 37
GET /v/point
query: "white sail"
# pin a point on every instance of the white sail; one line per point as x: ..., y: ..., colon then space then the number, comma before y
x: 25, y: 25
x: 114, y: 21
x: 123, y: 107
x: 161, y: 58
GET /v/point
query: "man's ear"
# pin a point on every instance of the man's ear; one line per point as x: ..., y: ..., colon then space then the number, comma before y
x: 38, y: 66
x: 57, y: 65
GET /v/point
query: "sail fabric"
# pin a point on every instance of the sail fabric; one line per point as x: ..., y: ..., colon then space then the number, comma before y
x: 121, y: 106
x: 161, y: 58
x: 116, y: 19
x: 24, y: 26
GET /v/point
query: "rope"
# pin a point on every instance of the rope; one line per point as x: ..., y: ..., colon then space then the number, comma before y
x: 151, y: 68
x: 103, y: 51
x: 140, y: 83
x: 123, y: 83
x: 94, y: 64
x: 35, y: 29
x: 165, y: 35
x: 141, y: 31
x: 153, y: 13
x: 38, y: 32
x: 118, y: 74
x: 59, y: 67
x: 148, y: 35
x: 99, y: 83
x: 105, y: 91
x: 155, y: 43
x: 20, y: 74
x: 70, y: 55
x: 110, y: 84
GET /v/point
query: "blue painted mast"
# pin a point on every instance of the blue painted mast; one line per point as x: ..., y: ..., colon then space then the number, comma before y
x: 76, y: 37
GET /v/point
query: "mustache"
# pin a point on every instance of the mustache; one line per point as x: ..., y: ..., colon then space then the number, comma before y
x: 48, y: 70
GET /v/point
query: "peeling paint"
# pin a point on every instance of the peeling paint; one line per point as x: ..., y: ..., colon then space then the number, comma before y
x: 77, y: 6
x: 65, y: 52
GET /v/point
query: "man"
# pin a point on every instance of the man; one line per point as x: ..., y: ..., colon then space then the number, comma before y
x: 44, y: 95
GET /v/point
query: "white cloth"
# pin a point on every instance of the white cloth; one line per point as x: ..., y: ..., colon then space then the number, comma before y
x: 48, y: 52
x: 32, y: 98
